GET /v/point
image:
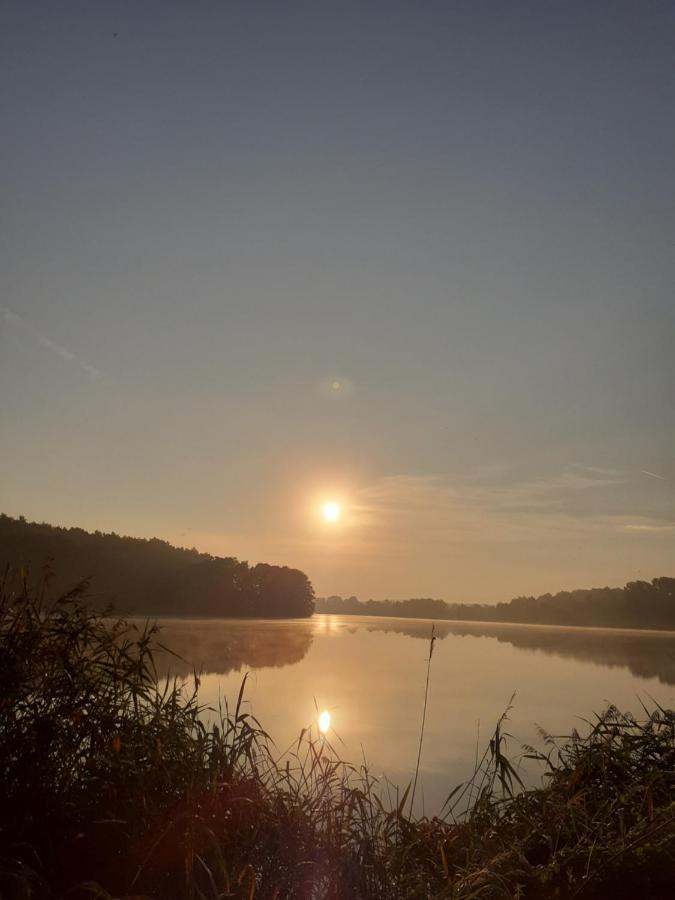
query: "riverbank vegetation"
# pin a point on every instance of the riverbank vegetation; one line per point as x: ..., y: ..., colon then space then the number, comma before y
x: 640, y: 604
x: 116, y: 785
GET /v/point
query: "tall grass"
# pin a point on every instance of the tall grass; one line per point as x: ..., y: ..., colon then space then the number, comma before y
x: 113, y: 784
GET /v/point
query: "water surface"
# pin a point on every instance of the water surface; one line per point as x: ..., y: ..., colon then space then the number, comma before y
x: 370, y: 673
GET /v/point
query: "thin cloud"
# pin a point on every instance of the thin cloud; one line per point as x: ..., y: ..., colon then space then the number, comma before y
x: 11, y: 317
x: 653, y: 475
x: 90, y: 370
x: 650, y: 528
x: 439, y: 509
x: 62, y: 352
x: 57, y: 348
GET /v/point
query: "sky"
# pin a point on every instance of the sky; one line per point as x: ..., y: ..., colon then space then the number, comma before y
x: 414, y: 258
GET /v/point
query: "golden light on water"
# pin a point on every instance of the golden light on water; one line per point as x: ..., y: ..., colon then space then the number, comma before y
x: 331, y: 511
x: 324, y: 721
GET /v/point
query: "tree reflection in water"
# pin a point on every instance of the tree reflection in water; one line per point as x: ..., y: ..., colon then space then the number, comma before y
x: 647, y: 654
x: 223, y: 646
x: 229, y: 645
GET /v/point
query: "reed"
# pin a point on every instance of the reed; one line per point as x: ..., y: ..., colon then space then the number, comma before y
x: 432, y: 640
x: 117, y: 784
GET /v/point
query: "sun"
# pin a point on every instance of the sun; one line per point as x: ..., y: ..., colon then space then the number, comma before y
x: 331, y: 511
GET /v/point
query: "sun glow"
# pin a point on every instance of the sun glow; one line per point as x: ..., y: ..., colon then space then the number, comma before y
x: 331, y: 511
x: 324, y: 721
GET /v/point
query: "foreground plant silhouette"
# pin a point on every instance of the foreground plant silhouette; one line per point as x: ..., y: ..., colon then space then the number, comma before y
x: 113, y: 785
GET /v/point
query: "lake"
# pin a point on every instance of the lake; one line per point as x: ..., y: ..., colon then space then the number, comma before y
x: 370, y: 674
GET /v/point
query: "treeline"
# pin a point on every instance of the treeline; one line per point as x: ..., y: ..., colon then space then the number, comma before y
x: 152, y: 577
x: 640, y: 604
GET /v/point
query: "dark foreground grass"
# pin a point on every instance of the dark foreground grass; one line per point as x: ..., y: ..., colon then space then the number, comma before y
x: 111, y: 784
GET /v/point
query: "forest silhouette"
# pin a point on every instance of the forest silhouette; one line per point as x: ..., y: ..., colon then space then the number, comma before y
x: 640, y: 604
x: 152, y: 577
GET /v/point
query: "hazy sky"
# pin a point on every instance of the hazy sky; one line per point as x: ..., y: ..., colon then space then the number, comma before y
x: 461, y: 213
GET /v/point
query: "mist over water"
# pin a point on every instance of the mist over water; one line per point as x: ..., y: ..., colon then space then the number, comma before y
x: 369, y: 674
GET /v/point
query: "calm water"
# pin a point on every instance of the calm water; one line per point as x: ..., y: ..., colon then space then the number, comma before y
x: 369, y: 672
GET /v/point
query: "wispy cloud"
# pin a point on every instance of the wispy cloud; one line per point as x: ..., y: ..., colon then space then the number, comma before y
x: 17, y: 321
x: 653, y: 475
x: 439, y: 509
x: 57, y: 348
x: 11, y: 317
x: 650, y: 526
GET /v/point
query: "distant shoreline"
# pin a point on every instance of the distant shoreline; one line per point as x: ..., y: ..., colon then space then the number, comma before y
x: 637, y: 605
x: 485, y: 622
x: 482, y: 623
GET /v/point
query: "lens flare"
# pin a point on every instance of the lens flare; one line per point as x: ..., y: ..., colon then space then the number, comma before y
x: 324, y: 721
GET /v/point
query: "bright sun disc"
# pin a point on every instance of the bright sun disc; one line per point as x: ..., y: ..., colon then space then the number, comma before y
x: 331, y: 511
x: 324, y: 721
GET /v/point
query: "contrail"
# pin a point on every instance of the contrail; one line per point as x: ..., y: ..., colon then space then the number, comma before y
x: 653, y: 475
x: 19, y: 322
